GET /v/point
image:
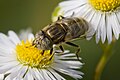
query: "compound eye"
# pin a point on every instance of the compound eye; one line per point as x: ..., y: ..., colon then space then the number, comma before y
x: 40, y: 35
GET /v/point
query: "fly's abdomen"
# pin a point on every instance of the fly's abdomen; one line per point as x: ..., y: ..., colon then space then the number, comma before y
x: 75, y: 27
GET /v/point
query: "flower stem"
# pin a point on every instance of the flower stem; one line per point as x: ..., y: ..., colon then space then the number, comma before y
x: 107, y: 53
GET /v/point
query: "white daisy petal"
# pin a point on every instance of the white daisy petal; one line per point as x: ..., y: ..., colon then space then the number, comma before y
x: 91, y: 30
x: 45, y: 75
x: 109, y: 28
x: 28, y: 76
x: 7, y: 66
x: 30, y: 36
x: 37, y: 74
x: 86, y: 13
x: 5, y: 51
x: 22, y: 73
x: 13, y: 37
x: 50, y: 75
x: 71, y: 3
x: 102, y: 28
x: 118, y: 19
x: 1, y: 76
x: 13, y: 75
x: 18, y: 75
x: 14, y: 69
x: 83, y: 8
x: 115, y: 25
x: 69, y: 72
x: 97, y: 18
x: 26, y: 34
x: 6, y: 59
x: 5, y: 42
x: 57, y: 76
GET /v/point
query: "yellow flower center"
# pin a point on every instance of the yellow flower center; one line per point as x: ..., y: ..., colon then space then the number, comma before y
x: 32, y: 56
x: 105, y: 5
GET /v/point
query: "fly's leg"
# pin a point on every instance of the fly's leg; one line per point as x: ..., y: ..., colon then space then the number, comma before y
x: 78, y: 48
x: 61, y: 48
x: 51, y: 53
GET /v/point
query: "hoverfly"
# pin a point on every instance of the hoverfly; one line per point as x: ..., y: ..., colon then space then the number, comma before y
x: 61, y: 31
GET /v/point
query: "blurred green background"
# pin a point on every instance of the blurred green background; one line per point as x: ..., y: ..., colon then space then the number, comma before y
x: 22, y: 14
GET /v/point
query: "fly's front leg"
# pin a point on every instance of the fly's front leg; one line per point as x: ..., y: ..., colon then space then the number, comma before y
x: 78, y: 48
x: 51, y: 53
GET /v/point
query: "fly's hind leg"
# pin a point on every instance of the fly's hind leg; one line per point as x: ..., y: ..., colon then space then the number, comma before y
x: 78, y: 48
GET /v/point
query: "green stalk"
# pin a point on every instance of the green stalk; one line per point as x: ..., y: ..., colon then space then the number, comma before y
x: 107, y: 53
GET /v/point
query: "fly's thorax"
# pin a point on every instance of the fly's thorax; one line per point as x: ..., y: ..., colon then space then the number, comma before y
x: 42, y: 41
x: 56, y: 32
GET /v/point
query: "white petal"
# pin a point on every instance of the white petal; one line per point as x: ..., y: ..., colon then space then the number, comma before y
x: 5, y: 42
x: 82, y: 10
x: 30, y: 36
x: 22, y: 72
x: 37, y: 74
x: 69, y: 10
x: 69, y: 64
x: 24, y: 34
x: 109, y: 29
x: 118, y: 15
x: 13, y: 74
x: 66, y: 55
x: 50, y: 75
x: 87, y: 12
x: 78, y: 11
x: 75, y: 74
x: 7, y: 59
x: 118, y: 19
x: 4, y: 51
x: 103, y: 26
x: 71, y: 3
x: 58, y: 77
x: 1, y: 76
x: 7, y: 66
x: 17, y: 74
x: 115, y: 25
x: 14, y: 69
x: 96, y: 20
x: 91, y: 30
x: 101, y: 31
x: 13, y: 36
x: 66, y: 51
x: 45, y: 75
x: 28, y: 76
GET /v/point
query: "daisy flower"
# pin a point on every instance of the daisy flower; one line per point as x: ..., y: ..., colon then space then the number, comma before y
x: 102, y: 15
x: 20, y: 60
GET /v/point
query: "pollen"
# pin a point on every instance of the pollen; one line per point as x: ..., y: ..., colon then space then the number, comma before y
x: 27, y: 54
x: 105, y: 5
